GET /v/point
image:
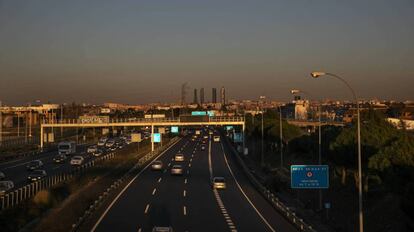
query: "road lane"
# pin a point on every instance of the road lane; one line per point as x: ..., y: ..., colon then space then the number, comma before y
x: 188, y: 202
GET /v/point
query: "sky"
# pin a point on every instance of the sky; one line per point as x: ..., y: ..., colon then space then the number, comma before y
x: 132, y: 51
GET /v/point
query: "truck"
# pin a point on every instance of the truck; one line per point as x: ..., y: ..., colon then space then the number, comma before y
x: 67, y: 148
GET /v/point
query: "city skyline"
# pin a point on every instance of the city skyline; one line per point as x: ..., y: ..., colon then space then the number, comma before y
x: 139, y: 51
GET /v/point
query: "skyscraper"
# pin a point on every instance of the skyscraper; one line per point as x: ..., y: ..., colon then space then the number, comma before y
x: 202, y: 96
x: 195, y: 101
x: 214, y: 95
x: 223, y: 96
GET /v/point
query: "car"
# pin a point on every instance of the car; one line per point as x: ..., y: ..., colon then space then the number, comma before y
x: 110, y: 143
x: 216, y: 138
x: 92, y: 149
x: 204, y: 142
x: 76, y: 160
x: 5, y: 186
x: 210, y: 132
x: 119, y: 144
x: 102, y: 142
x: 176, y: 170
x: 33, y: 165
x: 37, y: 175
x: 157, y: 165
x: 162, y: 229
x: 218, y: 183
x: 203, y: 148
x: 205, y: 136
x: 98, y: 152
x: 2, y: 176
x: 60, y: 158
x: 179, y: 157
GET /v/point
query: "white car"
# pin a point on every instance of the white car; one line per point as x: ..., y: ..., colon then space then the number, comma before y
x: 177, y: 170
x: 92, y: 149
x: 219, y: 183
x: 179, y: 157
x: 77, y: 160
x: 5, y: 186
x: 157, y: 165
x: 216, y: 138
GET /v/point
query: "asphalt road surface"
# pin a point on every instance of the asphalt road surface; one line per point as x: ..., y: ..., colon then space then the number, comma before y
x: 188, y: 202
x: 16, y: 171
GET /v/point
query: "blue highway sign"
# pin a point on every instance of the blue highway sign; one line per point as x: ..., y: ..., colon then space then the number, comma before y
x: 309, y: 176
x: 156, y: 137
x: 174, y: 129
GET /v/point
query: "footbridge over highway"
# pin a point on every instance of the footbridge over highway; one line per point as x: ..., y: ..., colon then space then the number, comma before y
x: 141, y: 122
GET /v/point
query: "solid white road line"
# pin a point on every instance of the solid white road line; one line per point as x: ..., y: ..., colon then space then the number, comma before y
x: 244, y: 194
x: 127, y: 186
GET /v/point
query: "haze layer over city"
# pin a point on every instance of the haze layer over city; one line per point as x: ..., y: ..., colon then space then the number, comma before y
x: 206, y: 115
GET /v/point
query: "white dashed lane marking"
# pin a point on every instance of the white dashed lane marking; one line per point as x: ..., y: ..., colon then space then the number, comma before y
x: 146, y: 209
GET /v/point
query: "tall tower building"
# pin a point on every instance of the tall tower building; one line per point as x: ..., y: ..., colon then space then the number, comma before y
x: 184, y: 88
x: 214, y: 95
x: 223, y: 96
x: 195, y: 101
x: 202, y: 96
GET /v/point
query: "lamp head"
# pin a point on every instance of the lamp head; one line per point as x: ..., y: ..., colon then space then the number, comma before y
x: 317, y: 74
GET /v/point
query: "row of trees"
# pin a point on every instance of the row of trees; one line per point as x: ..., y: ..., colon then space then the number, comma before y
x: 388, y: 153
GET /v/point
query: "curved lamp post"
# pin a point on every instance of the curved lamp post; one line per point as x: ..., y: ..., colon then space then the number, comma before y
x: 320, y: 74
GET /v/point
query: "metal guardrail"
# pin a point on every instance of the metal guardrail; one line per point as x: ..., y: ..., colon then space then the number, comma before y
x: 15, y: 197
x: 270, y: 197
x: 141, y: 162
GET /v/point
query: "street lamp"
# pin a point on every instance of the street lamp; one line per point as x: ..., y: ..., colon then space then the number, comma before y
x: 361, y: 218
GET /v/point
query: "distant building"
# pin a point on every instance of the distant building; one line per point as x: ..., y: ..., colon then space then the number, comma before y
x: 301, y: 109
x: 202, y: 96
x: 223, y: 96
x: 214, y: 96
x: 195, y: 101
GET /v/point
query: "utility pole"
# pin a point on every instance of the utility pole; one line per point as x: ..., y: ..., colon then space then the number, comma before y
x: 281, y: 137
x: 61, y: 121
x: 30, y: 121
x: 18, y: 124
x: 262, y: 154
x: 1, y: 123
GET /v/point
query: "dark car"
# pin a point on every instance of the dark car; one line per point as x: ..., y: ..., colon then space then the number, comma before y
x: 37, y: 175
x: 60, y: 158
x: 35, y: 164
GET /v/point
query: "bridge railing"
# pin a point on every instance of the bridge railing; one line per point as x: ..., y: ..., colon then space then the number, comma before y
x: 140, y: 120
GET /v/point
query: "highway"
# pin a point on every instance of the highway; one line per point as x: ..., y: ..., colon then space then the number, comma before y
x: 188, y: 202
x: 16, y: 171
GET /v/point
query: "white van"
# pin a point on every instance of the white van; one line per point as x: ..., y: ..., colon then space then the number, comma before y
x: 67, y: 148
